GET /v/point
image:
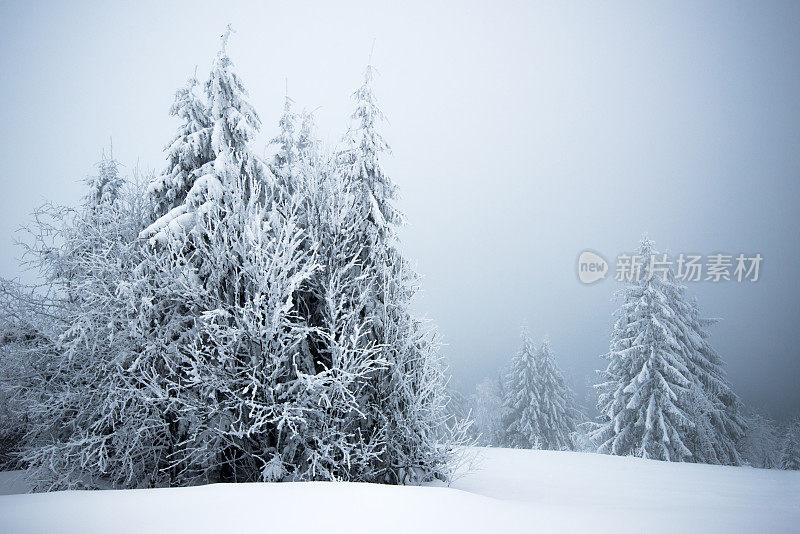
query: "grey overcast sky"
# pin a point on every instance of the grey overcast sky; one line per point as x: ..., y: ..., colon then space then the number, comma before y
x: 522, y: 132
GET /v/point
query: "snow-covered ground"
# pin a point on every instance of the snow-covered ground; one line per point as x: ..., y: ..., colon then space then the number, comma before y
x: 507, y: 491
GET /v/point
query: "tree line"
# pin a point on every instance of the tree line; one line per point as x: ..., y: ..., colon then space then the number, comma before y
x: 237, y: 318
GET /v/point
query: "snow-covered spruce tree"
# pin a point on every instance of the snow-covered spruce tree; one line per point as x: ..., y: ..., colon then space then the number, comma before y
x: 105, y: 187
x: 218, y: 164
x: 188, y: 153
x: 582, y: 438
x: 407, y: 404
x: 206, y: 156
x: 308, y: 146
x: 557, y: 413
x: 664, y: 394
x: 538, y: 410
x: 521, y: 421
x: 761, y: 446
x: 790, y: 459
x: 360, y: 157
x: 210, y: 152
x: 285, y: 160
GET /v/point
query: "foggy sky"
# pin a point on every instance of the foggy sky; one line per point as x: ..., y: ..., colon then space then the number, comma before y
x: 521, y: 135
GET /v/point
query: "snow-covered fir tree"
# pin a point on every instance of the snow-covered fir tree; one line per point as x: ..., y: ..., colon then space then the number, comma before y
x: 409, y: 399
x: 790, y: 457
x: 104, y: 188
x: 342, y: 441
x: 198, y: 241
x: 284, y: 162
x: 521, y: 400
x: 308, y: 145
x: 538, y: 410
x: 188, y: 152
x: 361, y: 160
x: 210, y: 152
x: 664, y: 394
x: 557, y: 411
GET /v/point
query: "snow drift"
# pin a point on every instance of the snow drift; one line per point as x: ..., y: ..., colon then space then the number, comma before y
x: 505, y: 491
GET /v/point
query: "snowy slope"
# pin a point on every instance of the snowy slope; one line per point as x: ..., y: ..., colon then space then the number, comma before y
x: 579, y: 492
x: 509, y: 491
